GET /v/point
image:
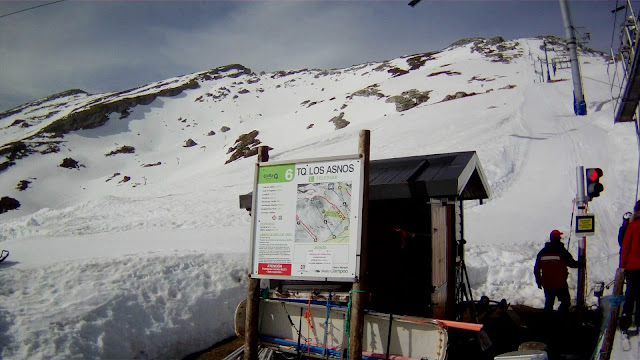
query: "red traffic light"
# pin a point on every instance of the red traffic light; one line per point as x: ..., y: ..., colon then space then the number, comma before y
x: 594, y: 174
x: 594, y: 187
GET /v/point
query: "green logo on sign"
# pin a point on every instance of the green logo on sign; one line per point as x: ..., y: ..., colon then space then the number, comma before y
x: 311, y: 179
x: 276, y: 173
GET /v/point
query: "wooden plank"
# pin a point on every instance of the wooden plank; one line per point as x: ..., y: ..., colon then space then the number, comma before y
x: 439, y: 260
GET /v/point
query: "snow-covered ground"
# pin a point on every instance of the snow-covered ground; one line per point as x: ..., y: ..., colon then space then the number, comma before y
x: 154, y: 267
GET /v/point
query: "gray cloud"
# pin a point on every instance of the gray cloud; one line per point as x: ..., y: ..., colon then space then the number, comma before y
x: 102, y: 46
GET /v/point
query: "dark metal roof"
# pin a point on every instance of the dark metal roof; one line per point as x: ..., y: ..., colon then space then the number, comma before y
x: 452, y: 175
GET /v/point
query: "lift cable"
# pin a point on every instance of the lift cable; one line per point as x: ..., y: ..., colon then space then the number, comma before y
x: 31, y: 8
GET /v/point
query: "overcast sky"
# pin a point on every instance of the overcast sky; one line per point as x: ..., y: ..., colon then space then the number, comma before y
x: 102, y: 46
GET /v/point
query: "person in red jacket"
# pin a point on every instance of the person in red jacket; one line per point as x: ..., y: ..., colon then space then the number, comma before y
x: 630, y: 262
x: 551, y: 272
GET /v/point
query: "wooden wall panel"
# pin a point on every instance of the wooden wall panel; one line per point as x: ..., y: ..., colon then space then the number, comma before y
x: 440, y: 260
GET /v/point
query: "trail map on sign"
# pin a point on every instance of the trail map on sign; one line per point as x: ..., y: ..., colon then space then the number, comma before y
x: 323, y: 212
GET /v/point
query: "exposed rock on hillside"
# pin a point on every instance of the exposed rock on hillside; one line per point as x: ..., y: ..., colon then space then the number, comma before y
x: 112, y: 176
x: 39, y: 102
x: 8, y: 203
x: 220, y: 72
x: 395, y: 71
x: 458, y: 95
x: 69, y: 163
x: 371, y: 90
x: 13, y: 151
x: 478, y: 78
x: 285, y: 73
x: 445, y: 72
x: 245, y: 146
x: 190, y: 143
x: 124, y: 149
x: 497, y: 48
x: 416, y: 61
x: 50, y: 147
x: 23, y: 185
x: 339, y: 122
x: 409, y: 99
x: 22, y: 123
x: 97, y: 115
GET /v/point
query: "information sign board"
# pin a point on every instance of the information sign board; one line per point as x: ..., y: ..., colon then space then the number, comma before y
x: 306, y: 219
x: 585, y: 224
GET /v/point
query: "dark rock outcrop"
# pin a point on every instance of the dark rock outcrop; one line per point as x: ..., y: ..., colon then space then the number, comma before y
x: 245, y: 146
x: 409, y: 99
x: 124, y: 149
x: 69, y: 163
x: 23, y: 185
x: 458, y: 95
x: 96, y: 115
x: 339, y: 122
x: 8, y: 203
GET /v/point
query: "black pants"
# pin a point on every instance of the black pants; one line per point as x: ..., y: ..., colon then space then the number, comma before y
x: 631, y: 295
x: 563, y: 296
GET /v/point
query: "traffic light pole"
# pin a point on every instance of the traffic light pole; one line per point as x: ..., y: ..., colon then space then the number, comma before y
x: 581, y: 201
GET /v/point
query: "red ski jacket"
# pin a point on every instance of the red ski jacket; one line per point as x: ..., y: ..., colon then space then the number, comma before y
x: 551, y: 266
x: 630, y: 255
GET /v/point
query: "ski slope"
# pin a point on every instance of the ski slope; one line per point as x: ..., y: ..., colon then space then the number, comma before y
x: 154, y: 267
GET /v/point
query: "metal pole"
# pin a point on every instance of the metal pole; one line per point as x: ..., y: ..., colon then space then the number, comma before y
x: 609, y: 335
x: 582, y: 245
x: 579, y: 104
x: 546, y: 59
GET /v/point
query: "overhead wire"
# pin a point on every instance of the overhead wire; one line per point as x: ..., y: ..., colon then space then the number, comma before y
x: 31, y: 8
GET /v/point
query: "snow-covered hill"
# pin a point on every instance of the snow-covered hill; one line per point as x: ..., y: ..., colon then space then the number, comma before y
x: 138, y: 249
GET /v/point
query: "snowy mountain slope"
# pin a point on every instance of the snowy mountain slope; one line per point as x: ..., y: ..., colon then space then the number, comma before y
x: 168, y: 222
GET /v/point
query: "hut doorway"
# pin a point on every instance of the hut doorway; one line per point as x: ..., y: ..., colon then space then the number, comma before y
x: 399, y: 257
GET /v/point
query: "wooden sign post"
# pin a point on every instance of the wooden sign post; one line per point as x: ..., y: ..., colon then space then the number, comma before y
x: 358, y: 290
x: 253, y: 297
